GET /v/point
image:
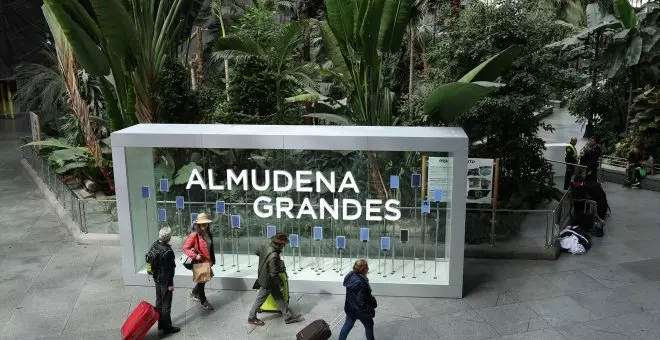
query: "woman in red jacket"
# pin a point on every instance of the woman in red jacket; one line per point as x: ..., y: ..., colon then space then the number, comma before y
x: 199, y: 247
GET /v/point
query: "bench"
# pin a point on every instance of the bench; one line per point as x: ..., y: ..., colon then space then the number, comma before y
x: 616, y: 174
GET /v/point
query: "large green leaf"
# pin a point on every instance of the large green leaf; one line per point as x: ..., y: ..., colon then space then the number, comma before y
x: 118, y: 29
x: 370, y: 23
x: 183, y: 174
x: 331, y: 46
x: 71, y: 166
x: 594, y: 14
x: 396, y: 16
x: 303, y: 98
x: 227, y: 48
x: 340, y: 18
x: 492, y: 68
x: 615, y: 63
x: 650, y: 42
x: 626, y: 13
x: 451, y: 100
x: 87, y: 52
x: 336, y: 119
x: 634, y: 52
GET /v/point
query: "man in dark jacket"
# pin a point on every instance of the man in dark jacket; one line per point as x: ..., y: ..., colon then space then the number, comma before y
x: 164, y: 279
x: 268, y: 280
x: 360, y: 303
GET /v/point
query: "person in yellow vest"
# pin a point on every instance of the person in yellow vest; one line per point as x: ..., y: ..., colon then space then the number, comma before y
x: 571, y: 156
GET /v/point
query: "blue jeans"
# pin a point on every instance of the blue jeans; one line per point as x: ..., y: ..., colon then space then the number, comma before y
x: 350, y: 322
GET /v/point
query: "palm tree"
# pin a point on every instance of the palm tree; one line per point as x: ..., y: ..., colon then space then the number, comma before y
x: 278, y: 54
x: 68, y: 67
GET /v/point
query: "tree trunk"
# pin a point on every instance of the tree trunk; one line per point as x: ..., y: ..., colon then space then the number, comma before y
x: 411, y: 69
x: 456, y: 8
x: 80, y: 108
x: 377, y: 182
x: 425, y: 59
x: 200, y: 57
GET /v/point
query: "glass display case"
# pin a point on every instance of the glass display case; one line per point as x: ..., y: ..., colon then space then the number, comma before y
x: 339, y: 192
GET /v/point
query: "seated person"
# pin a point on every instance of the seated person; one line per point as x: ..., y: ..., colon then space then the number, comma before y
x: 650, y: 165
x: 635, y: 162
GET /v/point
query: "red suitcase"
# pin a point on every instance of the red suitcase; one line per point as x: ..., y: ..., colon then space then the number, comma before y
x: 139, y: 322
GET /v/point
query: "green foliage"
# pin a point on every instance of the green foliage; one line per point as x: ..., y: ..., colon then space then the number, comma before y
x: 177, y: 103
x: 505, y: 117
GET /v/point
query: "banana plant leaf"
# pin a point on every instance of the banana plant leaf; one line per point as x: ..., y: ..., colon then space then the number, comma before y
x: 303, y: 98
x: 490, y: 69
x: 634, y: 52
x: 451, y: 100
x: 396, y: 15
x: 331, y: 118
x: 626, y: 13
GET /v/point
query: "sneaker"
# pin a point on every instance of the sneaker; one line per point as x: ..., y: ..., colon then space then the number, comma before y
x: 256, y: 322
x: 206, y: 305
x: 194, y: 297
x: 172, y: 330
x: 293, y: 318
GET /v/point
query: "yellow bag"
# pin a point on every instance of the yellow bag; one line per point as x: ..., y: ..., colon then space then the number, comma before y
x: 202, y: 272
x: 270, y: 305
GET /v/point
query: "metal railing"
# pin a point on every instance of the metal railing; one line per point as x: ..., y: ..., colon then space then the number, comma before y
x: 80, y: 209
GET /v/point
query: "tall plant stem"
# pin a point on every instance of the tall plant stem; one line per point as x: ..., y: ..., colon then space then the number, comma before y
x: 224, y: 35
x: 200, y: 56
x: 376, y: 178
x: 411, y: 70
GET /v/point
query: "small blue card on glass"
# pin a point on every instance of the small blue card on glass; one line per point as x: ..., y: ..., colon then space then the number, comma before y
x: 162, y: 215
x: 416, y: 180
x: 164, y: 185
x: 385, y: 243
x: 341, y: 242
x: 193, y: 218
x: 394, y: 182
x: 364, y: 234
x: 437, y: 195
x: 236, y: 221
x: 270, y: 231
x: 293, y: 240
x: 318, y: 233
x: 426, y: 207
x: 220, y: 207
x: 179, y: 202
x: 145, y: 191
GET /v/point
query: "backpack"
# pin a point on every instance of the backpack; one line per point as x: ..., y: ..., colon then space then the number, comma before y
x: 152, y: 258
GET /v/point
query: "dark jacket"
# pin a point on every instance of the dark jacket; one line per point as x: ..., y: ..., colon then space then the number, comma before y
x: 166, y: 264
x: 270, y: 266
x: 359, y: 301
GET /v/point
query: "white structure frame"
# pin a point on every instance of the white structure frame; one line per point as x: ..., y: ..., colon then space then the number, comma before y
x: 276, y: 137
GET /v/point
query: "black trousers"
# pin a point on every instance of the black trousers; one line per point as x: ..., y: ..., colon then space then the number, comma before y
x: 198, y: 291
x: 570, y: 169
x: 163, y: 305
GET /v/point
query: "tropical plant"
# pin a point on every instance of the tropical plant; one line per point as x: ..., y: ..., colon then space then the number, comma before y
x: 124, y: 43
x: 645, y: 124
x: 278, y: 55
x: 68, y: 67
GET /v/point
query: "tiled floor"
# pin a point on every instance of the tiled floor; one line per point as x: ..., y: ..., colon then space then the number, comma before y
x: 51, y: 288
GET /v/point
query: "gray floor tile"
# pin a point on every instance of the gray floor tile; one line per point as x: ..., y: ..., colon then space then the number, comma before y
x: 572, y: 282
x: 490, y: 296
x: 72, y: 277
x: 512, y: 319
x: 215, y: 325
x: 645, y: 294
x: 464, y: 326
x: 7, y: 309
x: 33, y: 324
x: 108, y: 334
x: 532, y: 287
x: 428, y: 306
x: 90, y: 317
x: 104, y: 293
x: 561, y: 311
x: 542, y: 334
x: 400, y: 330
x: 394, y: 309
x: 613, y: 276
x: 640, y: 326
x: 648, y: 269
x: 606, y: 303
x: 52, y: 299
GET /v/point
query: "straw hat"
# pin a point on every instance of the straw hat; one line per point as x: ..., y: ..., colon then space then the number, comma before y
x: 202, y: 219
x: 280, y: 238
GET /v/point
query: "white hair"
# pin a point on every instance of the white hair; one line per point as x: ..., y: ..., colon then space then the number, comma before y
x: 165, y: 234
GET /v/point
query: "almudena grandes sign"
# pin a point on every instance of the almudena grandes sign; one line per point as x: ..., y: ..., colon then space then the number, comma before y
x: 283, y: 181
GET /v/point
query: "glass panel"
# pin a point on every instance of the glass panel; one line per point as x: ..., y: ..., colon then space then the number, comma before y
x: 294, y: 190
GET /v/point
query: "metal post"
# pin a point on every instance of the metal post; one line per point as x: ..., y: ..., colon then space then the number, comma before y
x: 424, y: 240
x: 233, y: 258
x: 403, y: 260
x: 237, y: 259
x: 312, y: 251
x: 379, y: 262
x: 437, y: 228
x: 222, y: 244
x: 341, y: 263
x: 496, y: 180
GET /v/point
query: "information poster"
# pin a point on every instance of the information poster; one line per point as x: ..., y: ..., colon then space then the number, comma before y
x: 479, y: 178
x: 440, y: 176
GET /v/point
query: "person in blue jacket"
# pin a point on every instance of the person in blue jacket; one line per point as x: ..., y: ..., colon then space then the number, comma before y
x: 360, y: 304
